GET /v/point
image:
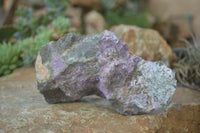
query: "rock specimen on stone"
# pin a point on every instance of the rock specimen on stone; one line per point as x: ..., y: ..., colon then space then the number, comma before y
x: 146, y: 43
x: 77, y: 66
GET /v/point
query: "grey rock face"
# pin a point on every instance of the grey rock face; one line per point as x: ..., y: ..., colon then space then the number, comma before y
x: 100, y: 64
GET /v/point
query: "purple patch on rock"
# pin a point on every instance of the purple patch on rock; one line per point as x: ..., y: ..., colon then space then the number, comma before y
x: 57, y: 63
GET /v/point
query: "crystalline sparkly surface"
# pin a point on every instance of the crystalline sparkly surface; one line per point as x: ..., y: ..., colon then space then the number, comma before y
x: 101, y: 64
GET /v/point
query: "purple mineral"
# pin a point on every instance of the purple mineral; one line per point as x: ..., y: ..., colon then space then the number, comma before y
x: 100, y: 64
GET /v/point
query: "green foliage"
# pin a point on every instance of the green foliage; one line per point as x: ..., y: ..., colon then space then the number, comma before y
x: 188, y: 68
x: 32, y: 34
x: 25, y: 45
x: 10, y: 58
x: 32, y: 31
x: 61, y: 24
x: 128, y: 17
x: 131, y: 13
x: 56, y: 7
x: 30, y: 46
x: 26, y: 23
x: 108, y: 4
x: 6, y: 32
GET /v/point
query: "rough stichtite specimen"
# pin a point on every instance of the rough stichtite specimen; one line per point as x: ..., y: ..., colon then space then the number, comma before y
x: 100, y: 64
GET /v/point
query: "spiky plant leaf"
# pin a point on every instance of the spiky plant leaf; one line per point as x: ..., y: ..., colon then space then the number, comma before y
x: 9, y: 60
x: 188, y: 68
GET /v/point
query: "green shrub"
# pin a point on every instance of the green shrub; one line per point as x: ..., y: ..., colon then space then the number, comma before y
x: 9, y: 58
x: 32, y: 33
x: 26, y: 23
x: 131, y: 12
x: 61, y: 24
x: 31, y: 45
x: 119, y: 16
x: 108, y: 4
x: 56, y: 8
x: 6, y: 32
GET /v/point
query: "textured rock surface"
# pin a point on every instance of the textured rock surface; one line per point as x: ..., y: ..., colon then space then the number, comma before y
x: 146, y: 43
x: 77, y: 66
x: 94, y: 22
x: 23, y: 109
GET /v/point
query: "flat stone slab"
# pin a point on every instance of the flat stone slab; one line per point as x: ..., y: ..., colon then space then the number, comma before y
x: 23, y: 109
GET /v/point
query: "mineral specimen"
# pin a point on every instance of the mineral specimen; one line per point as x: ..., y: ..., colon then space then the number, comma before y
x: 77, y: 66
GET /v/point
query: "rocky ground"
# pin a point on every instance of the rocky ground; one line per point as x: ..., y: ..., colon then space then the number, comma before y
x: 23, y: 109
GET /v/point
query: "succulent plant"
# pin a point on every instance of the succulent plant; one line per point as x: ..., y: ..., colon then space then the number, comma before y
x: 26, y: 23
x: 118, y: 17
x: 61, y: 24
x: 127, y: 17
x: 10, y: 58
x: 108, y: 4
x: 188, y: 67
x: 56, y: 8
x: 32, y: 33
x: 6, y: 32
